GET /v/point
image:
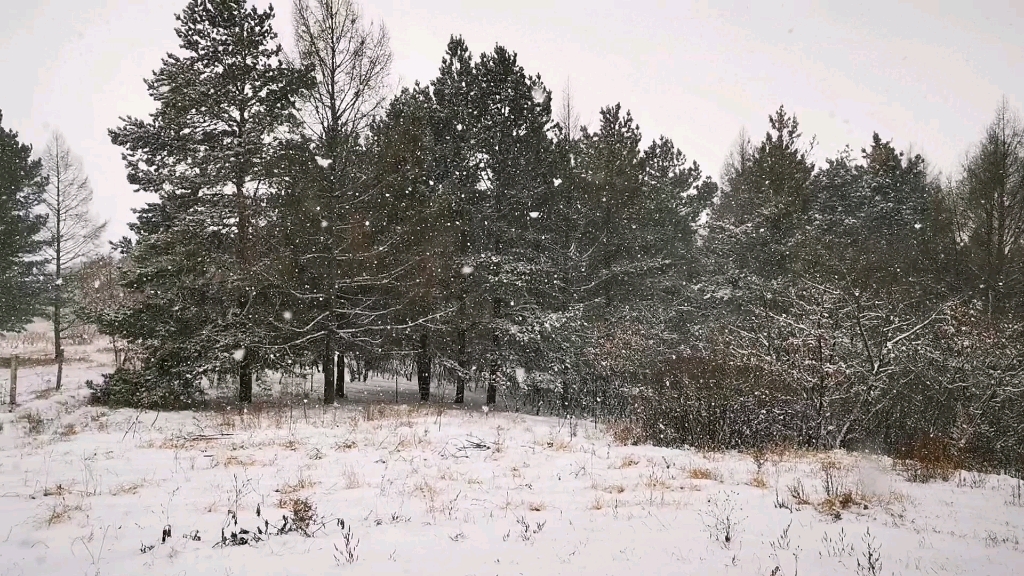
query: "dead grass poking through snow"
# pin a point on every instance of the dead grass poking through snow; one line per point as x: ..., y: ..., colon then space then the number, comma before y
x: 655, y: 479
x: 554, y: 442
x: 242, y: 460
x: 34, y: 422
x: 705, y: 473
x: 56, y: 490
x: 67, y: 431
x: 345, y: 445
x: 127, y: 488
x: 351, y: 478
x: 302, y: 483
x: 61, y: 511
x: 627, y: 461
x: 608, y: 488
x: 624, y: 433
x: 397, y: 415
x: 758, y: 481
x: 292, y: 444
x: 537, y: 506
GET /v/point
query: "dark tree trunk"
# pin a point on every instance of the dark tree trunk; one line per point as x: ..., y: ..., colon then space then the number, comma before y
x: 60, y: 368
x: 492, y: 382
x: 329, y: 370
x: 340, y: 371
x: 460, y: 378
x: 245, y: 380
x: 423, y: 369
x: 58, y: 325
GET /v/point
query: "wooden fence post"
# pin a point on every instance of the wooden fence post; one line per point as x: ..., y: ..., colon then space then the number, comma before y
x: 14, y: 381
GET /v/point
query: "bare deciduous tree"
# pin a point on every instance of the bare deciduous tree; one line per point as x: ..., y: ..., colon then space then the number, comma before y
x: 350, y: 59
x: 72, y: 233
x: 568, y: 115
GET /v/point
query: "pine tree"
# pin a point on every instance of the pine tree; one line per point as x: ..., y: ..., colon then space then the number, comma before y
x: 21, y: 187
x: 766, y: 200
x: 208, y: 153
x: 512, y: 111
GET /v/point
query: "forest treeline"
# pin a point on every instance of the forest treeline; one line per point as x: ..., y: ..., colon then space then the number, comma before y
x: 465, y: 232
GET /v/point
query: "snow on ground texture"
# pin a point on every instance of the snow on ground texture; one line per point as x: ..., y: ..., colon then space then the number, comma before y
x: 426, y: 490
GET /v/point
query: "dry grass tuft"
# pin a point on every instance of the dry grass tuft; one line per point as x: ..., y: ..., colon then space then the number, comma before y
x: 598, y: 503
x: 345, y: 445
x: 625, y: 433
x: 608, y: 488
x: 834, y: 505
x: 655, y: 479
x: 126, y: 488
x: 302, y: 483
x: 399, y: 415
x: 627, y: 461
x: 798, y: 493
x: 239, y: 460
x: 62, y: 511
x: 928, y: 459
x: 758, y: 481
x: 351, y: 478
x: 537, y: 506
x: 292, y: 444
x: 35, y: 422
x: 705, y: 473
x: 67, y: 430
x: 554, y: 443
x: 56, y: 490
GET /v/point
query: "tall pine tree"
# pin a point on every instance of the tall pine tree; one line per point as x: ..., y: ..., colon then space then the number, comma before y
x: 21, y: 193
x: 206, y: 151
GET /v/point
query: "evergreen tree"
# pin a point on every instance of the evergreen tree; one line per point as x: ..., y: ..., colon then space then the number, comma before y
x: 21, y: 266
x: 207, y: 152
x: 766, y: 200
x: 991, y: 201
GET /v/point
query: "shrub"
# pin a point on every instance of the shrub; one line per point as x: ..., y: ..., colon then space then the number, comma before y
x: 126, y: 387
x: 927, y: 459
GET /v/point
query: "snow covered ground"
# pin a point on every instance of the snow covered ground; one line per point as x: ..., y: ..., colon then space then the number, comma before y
x: 438, y: 490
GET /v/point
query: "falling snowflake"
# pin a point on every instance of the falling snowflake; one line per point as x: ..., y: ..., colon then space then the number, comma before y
x: 239, y: 354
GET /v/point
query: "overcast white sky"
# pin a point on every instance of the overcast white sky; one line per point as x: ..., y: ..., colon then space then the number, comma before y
x: 927, y: 74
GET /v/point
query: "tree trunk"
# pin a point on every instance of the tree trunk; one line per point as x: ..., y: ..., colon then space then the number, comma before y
x: 58, y: 346
x: 492, y: 381
x: 245, y: 380
x: 339, y: 363
x: 460, y: 378
x: 60, y: 369
x: 13, y: 399
x: 329, y: 370
x: 423, y: 369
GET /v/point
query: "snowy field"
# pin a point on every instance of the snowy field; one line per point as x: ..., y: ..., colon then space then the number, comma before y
x: 440, y: 490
